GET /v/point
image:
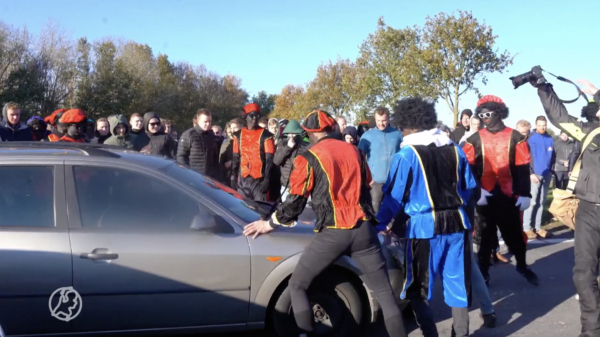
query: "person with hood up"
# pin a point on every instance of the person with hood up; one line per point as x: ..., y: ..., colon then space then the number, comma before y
x: 463, y: 126
x: 74, y: 122
x: 288, y: 148
x: 39, y: 129
x: 159, y: 142
x: 226, y: 151
x: 102, y: 133
x: 474, y: 126
x: 119, y: 128
x: 11, y: 128
x: 52, y: 121
x: 351, y: 135
x: 426, y: 193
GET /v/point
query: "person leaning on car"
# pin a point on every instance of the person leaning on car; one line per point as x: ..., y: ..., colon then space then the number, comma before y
x: 587, y: 190
x: 335, y: 175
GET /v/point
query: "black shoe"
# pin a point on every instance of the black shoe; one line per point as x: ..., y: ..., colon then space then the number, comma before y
x: 489, y: 321
x: 529, y: 275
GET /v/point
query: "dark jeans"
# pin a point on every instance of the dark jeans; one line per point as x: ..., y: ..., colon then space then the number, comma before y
x: 376, y: 195
x: 585, y: 272
x: 561, y: 179
x: 327, y: 246
x: 500, y: 213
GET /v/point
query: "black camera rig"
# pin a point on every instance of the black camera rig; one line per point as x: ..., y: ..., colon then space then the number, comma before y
x: 535, y: 77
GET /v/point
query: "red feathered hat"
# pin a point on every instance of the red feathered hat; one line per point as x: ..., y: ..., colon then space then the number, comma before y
x: 252, y: 107
x: 318, y: 121
x: 73, y: 116
x: 50, y: 119
x: 488, y: 99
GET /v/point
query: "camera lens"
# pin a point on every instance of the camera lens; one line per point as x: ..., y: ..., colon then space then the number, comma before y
x: 519, y: 80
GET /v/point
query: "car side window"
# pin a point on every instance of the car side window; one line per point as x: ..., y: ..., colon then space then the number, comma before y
x: 27, y: 196
x: 122, y: 199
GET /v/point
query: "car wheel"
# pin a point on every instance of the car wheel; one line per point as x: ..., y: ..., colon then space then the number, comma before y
x: 336, y: 303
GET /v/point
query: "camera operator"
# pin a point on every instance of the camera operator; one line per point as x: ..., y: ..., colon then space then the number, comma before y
x: 587, y: 190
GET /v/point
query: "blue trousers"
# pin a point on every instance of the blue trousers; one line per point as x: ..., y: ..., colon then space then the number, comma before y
x: 448, y: 256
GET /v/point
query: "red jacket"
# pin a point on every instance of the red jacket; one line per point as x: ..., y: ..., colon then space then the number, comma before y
x: 336, y: 177
x: 500, y: 159
x: 250, y: 151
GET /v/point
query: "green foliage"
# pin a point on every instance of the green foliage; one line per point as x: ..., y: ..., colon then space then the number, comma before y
x: 458, y: 51
x: 108, y: 77
x: 265, y: 101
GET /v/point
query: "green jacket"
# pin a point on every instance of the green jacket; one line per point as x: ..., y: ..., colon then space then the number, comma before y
x: 127, y: 140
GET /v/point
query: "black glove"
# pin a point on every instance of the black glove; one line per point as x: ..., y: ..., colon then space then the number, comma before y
x: 264, y: 185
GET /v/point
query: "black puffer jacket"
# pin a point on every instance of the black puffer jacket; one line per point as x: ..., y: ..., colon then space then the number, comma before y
x: 285, y: 155
x: 159, y: 143
x: 199, y: 150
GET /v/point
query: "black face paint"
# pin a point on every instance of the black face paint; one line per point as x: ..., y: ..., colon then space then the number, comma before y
x: 252, y: 120
x: 39, y: 131
x: 491, y: 120
x: 75, y: 131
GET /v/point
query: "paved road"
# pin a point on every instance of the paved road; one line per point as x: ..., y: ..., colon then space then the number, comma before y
x: 549, y: 310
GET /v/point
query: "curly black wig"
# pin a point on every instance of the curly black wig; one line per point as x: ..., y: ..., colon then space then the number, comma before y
x: 589, y: 112
x: 414, y: 113
x: 499, y: 108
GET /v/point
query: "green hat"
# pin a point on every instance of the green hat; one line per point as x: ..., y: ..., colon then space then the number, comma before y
x: 293, y: 127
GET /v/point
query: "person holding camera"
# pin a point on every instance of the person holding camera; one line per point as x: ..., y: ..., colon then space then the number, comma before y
x: 587, y: 190
x: 288, y: 148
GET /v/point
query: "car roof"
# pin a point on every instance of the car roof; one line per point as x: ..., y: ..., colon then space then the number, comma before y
x: 64, y: 150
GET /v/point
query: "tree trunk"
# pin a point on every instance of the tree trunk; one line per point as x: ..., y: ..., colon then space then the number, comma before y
x: 455, y: 112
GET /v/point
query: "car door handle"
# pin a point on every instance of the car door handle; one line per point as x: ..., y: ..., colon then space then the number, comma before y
x: 96, y: 256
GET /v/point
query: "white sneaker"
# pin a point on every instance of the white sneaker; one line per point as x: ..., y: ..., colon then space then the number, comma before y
x: 577, y: 296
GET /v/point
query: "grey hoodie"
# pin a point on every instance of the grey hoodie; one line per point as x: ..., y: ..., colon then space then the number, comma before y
x: 9, y: 133
x: 126, y: 141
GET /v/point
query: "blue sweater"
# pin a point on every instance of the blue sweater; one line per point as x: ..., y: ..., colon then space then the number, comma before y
x: 379, y: 147
x: 542, y: 153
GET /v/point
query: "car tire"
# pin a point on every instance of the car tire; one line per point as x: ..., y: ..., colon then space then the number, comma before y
x: 335, y: 300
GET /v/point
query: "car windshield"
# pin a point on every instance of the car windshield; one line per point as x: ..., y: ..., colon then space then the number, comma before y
x: 232, y: 201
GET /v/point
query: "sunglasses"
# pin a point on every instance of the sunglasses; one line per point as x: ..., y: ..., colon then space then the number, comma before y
x: 483, y: 115
x: 154, y: 124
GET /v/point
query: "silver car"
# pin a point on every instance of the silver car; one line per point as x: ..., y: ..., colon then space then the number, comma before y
x: 142, y: 244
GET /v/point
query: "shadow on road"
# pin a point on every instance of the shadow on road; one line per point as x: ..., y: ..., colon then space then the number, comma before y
x: 516, y: 302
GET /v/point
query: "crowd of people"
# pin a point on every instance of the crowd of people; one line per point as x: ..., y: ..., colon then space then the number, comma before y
x: 449, y: 194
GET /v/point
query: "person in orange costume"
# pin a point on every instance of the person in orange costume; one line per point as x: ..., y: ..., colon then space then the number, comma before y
x: 253, y: 150
x: 74, y: 122
x: 499, y: 159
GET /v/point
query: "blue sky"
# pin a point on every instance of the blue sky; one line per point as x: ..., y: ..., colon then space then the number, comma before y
x: 269, y: 43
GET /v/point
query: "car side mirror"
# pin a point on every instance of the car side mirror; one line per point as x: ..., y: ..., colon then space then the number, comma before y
x: 205, y: 223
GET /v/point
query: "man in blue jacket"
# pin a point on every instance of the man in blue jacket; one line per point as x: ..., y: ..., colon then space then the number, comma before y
x: 542, y: 152
x: 379, y: 145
